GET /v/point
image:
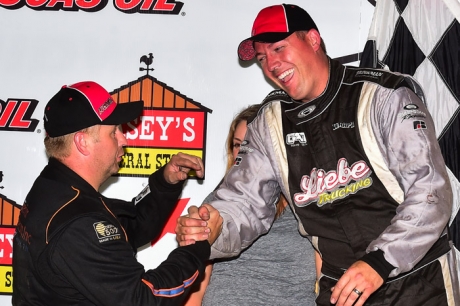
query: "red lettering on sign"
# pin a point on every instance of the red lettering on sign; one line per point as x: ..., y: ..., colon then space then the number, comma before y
x: 8, y: 3
x: 18, y: 120
x: 145, y: 6
x: 6, y: 113
x: 162, y: 5
x: 15, y: 115
x: 87, y: 4
x: 127, y: 5
x: 166, y: 129
x: 56, y: 5
x: 6, y: 245
x: 65, y: 3
x: 36, y: 3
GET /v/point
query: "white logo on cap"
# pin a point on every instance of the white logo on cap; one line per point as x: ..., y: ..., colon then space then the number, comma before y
x: 105, y: 106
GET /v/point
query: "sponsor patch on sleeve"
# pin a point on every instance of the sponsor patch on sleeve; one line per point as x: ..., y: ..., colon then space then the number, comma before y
x: 244, y: 148
x: 106, y: 231
x: 419, y: 125
x: 142, y: 194
x: 238, y: 161
x: 411, y: 111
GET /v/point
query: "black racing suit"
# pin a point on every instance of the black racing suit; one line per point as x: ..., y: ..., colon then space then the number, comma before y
x: 73, y: 246
x: 362, y: 170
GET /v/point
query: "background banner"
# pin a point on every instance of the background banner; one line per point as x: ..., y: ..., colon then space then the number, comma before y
x: 179, y: 57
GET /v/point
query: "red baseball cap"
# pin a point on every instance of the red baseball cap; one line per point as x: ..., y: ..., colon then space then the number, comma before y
x: 84, y: 104
x: 275, y: 23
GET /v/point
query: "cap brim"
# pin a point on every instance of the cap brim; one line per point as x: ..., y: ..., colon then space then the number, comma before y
x: 246, y: 50
x: 124, y: 113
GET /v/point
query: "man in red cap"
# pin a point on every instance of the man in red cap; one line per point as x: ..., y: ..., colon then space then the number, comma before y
x: 355, y: 153
x: 74, y: 246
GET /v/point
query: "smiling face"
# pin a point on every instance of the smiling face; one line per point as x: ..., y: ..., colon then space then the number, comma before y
x: 297, y: 65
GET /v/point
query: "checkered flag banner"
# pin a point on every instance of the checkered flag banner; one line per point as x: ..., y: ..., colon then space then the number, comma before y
x: 422, y: 38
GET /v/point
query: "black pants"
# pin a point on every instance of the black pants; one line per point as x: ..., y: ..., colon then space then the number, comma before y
x: 424, y: 287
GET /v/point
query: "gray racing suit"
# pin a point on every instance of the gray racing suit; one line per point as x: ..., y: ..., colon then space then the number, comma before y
x: 360, y: 166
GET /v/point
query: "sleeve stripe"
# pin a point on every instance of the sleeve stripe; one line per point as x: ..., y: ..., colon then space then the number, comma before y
x: 172, y: 292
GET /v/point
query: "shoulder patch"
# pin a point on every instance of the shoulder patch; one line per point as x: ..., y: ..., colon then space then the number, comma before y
x: 106, y: 231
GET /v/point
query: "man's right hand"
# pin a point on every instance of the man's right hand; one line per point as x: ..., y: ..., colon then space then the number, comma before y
x: 199, y: 224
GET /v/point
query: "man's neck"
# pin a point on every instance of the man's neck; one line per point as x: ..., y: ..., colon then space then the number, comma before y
x: 83, y: 170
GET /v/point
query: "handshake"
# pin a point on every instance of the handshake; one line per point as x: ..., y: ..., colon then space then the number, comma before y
x: 201, y: 223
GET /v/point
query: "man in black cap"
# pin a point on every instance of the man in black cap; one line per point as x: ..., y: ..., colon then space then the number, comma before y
x: 74, y: 246
x: 355, y: 153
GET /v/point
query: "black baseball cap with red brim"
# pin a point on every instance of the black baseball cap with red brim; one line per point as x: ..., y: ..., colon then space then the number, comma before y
x: 84, y: 104
x: 275, y: 23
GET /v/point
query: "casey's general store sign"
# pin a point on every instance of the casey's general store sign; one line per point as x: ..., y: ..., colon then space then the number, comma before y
x: 170, y: 123
x: 159, y: 134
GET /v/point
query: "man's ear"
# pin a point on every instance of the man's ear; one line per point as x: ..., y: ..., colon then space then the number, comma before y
x: 81, y: 142
x: 315, y: 39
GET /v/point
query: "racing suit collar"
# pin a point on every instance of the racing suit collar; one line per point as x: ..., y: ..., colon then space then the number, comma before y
x: 57, y: 171
x: 301, y: 111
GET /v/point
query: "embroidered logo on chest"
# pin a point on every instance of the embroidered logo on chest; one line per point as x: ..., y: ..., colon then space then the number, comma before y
x: 343, y: 125
x: 296, y: 139
x: 326, y: 187
x: 307, y: 111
